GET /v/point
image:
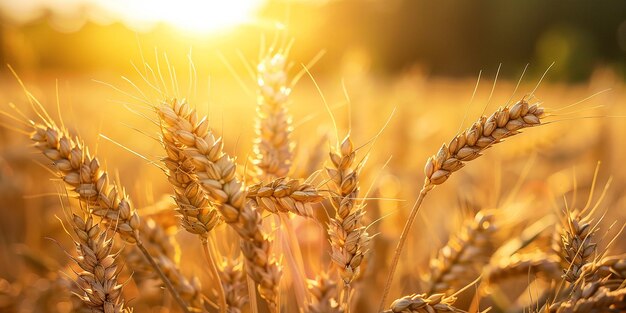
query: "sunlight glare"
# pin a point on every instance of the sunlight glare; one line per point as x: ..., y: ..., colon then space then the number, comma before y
x: 188, y: 15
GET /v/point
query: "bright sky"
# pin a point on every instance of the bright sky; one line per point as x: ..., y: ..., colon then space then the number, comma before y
x: 201, y: 16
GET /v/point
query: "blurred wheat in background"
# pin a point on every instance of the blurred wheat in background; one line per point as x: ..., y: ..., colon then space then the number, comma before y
x: 312, y: 156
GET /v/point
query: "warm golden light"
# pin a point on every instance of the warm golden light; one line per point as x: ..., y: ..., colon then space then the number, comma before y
x: 189, y: 15
x: 196, y: 16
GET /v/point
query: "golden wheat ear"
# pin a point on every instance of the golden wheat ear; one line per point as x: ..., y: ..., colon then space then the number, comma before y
x: 197, y: 214
x: 457, y: 262
x: 100, y: 290
x: 466, y: 146
x: 592, y: 298
x: 285, y: 195
x: 215, y: 172
x: 324, y: 291
x: 273, y: 148
x: 419, y: 303
x: 87, y: 180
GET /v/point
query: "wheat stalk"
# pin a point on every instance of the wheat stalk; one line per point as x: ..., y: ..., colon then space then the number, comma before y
x: 234, y: 284
x: 216, y: 173
x: 522, y: 264
x: 272, y: 148
x: 592, y: 298
x: 285, y: 195
x: 83, y: 175
x: 466, y: 146
x: 576, y: 245
x: 198, y: 215
x: 348, y: 235
x: 98, y: 278
x: 456, y: 261
x: 323, y: 289
x: 161, y: 245
x: 422, y: 303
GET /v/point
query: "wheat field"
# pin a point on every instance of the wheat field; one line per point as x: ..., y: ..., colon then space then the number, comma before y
x: 273, y: 188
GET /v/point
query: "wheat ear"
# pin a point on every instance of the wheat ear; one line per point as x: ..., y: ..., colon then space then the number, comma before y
x: 323, y: 289
x: 592, y: 298
x: 613, y: 267
x: 422, y: 303
x: 456, y: 261
x: 521, y: 265
x: 576, y: 244
x: 466, y: 146
x: 82, y: 174
x: 272, y: 148
x: 98, y: 283
x: 349, y: 239
x: 216, y: 173
x: 198, y: 215
x: 234, y: 284
x: 285, y: 195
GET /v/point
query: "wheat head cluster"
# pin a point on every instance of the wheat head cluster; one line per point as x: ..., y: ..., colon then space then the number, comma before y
x: 245, y: 219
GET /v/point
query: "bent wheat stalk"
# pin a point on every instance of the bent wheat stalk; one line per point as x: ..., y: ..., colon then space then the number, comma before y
x: 83, y: 175
x: 198, y: 215
x: 215, y: 171
x: 464, y: 147
x: 422, y: 303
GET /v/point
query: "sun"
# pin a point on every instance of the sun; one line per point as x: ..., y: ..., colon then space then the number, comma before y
x: 196, y: 16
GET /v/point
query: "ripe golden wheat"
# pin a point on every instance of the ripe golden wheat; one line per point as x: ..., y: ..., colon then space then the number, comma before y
x: 254, y: 225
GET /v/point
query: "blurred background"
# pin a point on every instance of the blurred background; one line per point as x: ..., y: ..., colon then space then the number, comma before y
x: 443, y: 37
x: 419, y: 58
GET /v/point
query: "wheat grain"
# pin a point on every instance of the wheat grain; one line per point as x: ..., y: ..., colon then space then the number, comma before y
x: 98, y: 278
x: 576, y: 244
x: 198, y: 216
x: 348, y: 236
x: 216, y: 173
x: 614, y: 266
x: 285, y: 195
x: 83, y: 175
x: 593, y: 298
x: 484, y: 133
x: 466, y: 146
x: 422, y: 303
x: 323, y: 290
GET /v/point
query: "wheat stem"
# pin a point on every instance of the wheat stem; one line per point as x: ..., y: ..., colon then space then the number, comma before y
x: 166, y: 281
x: 403, y: 237
x: 221, y: 297
x: 294, y: 258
